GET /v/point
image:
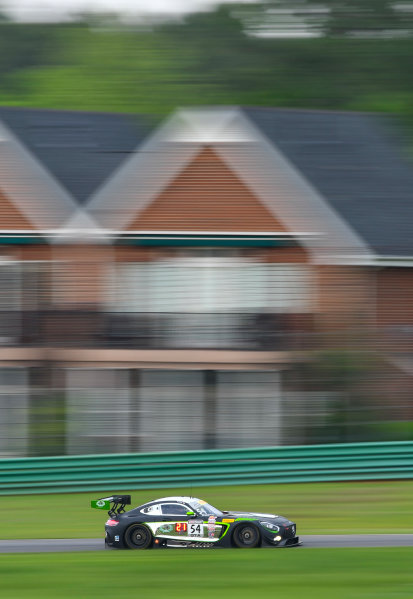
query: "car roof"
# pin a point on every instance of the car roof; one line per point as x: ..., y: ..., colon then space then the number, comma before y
x: 175, y: 498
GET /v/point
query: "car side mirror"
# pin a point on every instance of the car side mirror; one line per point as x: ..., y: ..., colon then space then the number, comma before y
x: 190, y: 513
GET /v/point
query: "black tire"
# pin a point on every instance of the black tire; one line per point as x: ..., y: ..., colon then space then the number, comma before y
x: 246, y: 536
x: 138, y: 536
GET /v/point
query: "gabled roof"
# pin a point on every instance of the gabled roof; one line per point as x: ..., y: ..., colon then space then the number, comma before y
x: 360, y: 164
x: 254, y: 160
x: 26, y: 184
x: 80, y: 149
x: 353, y: 166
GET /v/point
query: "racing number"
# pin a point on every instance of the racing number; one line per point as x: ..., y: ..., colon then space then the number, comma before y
x: 194, y: 530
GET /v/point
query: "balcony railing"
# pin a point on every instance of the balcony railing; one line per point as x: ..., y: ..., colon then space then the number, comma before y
x: 89, y: 328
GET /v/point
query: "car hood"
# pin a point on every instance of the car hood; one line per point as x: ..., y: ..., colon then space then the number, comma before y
x: 258, y: 515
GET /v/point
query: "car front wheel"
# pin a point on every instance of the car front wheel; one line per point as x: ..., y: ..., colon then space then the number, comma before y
x: 138, y: 537
x: 246, y: 536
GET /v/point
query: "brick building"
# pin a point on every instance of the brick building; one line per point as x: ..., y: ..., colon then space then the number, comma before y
x: 159, y: 284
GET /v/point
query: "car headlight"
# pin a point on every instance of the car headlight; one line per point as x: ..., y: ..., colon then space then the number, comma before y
x: 270, y: 526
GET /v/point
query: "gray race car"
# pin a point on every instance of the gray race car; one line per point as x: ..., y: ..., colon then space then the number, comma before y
x: 182, y: 521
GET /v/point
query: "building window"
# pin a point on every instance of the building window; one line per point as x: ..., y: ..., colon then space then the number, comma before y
x: 97, y: 411
x: 14, y: 420
x: 205, y: 301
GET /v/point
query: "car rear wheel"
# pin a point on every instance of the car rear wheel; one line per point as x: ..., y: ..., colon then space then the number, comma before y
x: 138, y: 537
x: 246, y: 536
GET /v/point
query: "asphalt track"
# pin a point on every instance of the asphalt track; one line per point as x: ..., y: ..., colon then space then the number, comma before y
x: 54, y: 545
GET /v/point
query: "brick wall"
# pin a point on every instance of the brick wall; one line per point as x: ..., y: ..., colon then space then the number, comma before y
x: 207, y: 196
x: 11, y: 217
x: 395, y: 296
x: 346, y: 299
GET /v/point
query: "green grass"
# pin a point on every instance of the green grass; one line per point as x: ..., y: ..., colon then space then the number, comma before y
x: 323, y: 508
x: 296, y: 573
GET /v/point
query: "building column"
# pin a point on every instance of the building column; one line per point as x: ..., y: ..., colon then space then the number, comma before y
x: 210, y: 409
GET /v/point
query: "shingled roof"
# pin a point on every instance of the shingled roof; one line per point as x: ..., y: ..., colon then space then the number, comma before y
x: 358, y: 163
x: 80, y: 149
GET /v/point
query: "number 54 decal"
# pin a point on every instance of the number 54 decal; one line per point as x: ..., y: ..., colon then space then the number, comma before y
x: 195, y: 529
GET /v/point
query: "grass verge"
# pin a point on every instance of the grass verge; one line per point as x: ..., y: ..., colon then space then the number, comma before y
x: 295, y: 573
x: 319, y: 508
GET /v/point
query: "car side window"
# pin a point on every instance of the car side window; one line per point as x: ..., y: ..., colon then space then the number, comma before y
x: 174, y: 509
x: 153, y: 510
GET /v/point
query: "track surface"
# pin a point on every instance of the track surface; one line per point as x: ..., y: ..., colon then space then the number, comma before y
x: 53, y: 545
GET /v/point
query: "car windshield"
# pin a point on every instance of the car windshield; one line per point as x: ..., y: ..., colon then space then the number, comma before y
x: 204, y: 509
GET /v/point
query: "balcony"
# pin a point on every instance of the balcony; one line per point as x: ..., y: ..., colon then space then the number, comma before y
x: 91, y: 328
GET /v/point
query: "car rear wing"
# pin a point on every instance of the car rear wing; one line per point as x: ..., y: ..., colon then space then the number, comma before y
x: 118, y: 507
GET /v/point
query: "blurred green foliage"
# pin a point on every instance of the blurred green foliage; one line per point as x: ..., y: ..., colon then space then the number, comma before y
x: 47, y: 423
x: 205, y: 59
x: 318, y: 508
x: 312, y: 573
x: 353, y: 405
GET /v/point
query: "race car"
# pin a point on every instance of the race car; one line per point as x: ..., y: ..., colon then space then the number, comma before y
x: 190, y: 522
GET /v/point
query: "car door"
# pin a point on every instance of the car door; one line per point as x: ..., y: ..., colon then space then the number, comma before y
x: 181, y: 525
